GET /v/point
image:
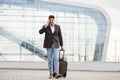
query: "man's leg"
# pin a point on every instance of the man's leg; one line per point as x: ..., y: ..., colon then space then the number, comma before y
x: 50, y: 60
x: 56, y: 59
x: 56, y: 62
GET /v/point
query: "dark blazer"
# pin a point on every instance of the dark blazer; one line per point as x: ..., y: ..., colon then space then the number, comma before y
x: 52, y: 38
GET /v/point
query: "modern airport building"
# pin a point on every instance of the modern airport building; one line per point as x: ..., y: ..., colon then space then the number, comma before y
x: 85, y: 30
x: 85, y: 27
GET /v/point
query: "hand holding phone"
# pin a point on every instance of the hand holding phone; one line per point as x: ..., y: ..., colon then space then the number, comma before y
x: 46, y: 24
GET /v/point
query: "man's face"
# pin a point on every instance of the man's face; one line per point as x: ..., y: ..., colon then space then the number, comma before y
x: 51, y: 21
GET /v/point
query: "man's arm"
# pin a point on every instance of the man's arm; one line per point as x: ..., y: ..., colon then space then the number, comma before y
x: 60, y: 37
x: 44, y: 28
x: 41, y: 31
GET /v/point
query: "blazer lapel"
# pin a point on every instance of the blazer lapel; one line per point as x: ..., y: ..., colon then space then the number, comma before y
x: 55, y: 28
x: 49, y: 29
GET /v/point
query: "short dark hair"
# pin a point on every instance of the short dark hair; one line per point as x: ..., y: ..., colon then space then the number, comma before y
x: 51, y: 16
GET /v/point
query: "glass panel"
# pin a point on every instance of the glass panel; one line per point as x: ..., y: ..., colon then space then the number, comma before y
x: 21, y: 24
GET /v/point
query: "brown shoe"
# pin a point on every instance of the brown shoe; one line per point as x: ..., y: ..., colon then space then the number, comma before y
x: 54, y: 74
x: 51, y: 76
x: 58, y: 75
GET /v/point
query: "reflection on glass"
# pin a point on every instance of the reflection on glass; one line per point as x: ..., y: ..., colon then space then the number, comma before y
x: 83, y: 36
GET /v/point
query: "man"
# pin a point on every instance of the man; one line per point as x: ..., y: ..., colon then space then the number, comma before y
x: 53, y: 40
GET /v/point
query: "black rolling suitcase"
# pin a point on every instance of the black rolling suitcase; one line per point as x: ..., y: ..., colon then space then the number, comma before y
x: 63, y: 64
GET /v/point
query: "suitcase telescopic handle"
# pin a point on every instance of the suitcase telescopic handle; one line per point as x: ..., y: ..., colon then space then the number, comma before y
x: 63, y: 53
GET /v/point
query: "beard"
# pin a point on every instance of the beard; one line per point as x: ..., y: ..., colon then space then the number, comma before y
x: 52, y: 24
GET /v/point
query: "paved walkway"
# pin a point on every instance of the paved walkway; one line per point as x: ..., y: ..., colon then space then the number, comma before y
x: 43, y: 75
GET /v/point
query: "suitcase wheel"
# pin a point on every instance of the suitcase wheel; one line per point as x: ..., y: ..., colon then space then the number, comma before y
x: 64, y: 75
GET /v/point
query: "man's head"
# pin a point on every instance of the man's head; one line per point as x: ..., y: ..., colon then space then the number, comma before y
x: 51, y: 20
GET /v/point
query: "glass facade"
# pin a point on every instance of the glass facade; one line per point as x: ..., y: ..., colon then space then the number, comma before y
x: 83, y: 29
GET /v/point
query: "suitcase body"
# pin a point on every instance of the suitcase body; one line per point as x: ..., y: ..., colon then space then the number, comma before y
x: 63, y: 64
